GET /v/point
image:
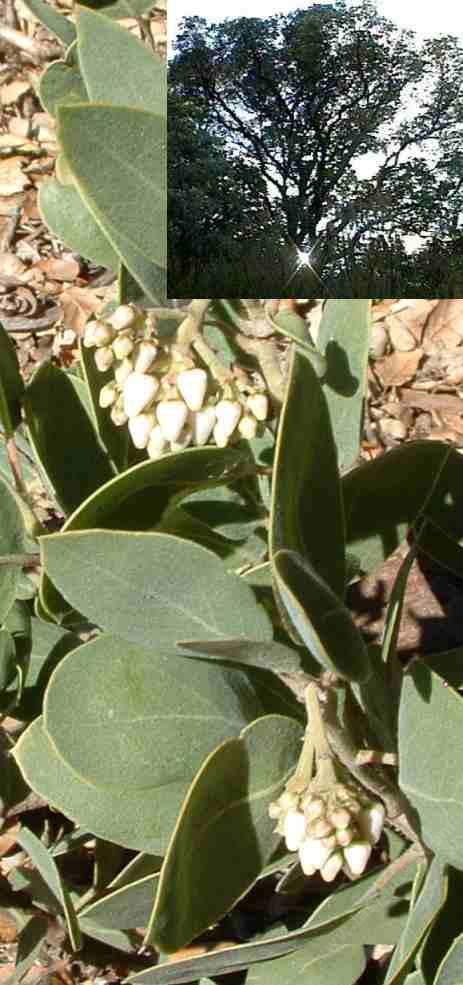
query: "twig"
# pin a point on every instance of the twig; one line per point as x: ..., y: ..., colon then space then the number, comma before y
x: 24, y: 560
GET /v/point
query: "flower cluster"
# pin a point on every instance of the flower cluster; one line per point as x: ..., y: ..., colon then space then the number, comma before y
x: 167, y: 401
x: 332, y: 830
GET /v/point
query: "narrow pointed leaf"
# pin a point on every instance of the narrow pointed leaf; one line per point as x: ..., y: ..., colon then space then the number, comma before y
x: 422, y: 915
x: 451, y: 969
x: 11, y: 385
x: 307, y: 512
x: 320, y: 618
x: 344, y: 338
x: 124, y: 909
x: 46, y: 866
x: 63, y: 437
x: 59, y: 25
x: 12, y: 541
x: 270, y: 655
x: 224, y: 835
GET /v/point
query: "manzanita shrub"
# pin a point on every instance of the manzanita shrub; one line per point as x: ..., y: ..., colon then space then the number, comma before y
x: 195, y: 696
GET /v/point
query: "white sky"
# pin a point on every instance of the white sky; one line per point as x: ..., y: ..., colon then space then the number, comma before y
x: 425, y: 17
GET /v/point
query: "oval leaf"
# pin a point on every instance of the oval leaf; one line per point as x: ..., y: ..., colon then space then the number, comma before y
x: 64, y: 211
x: 152, y: 589
x: 12, y: 541
x: 113, y: 710
x: 11, y: 385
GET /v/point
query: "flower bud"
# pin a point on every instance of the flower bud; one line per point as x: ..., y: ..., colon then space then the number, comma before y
x: 313, y: 853
x: 118, y: 415
x: 332, y: 867
x: 102, y: 334
x: 123, y: 317
x: 123, y: 371
x: 108, y: 395
x: 344, y: 836
x: 140, y: 428
x: 104, y: 358
x: 123, y: 346
x: 370, y: 822
x: 88, y: 339
x: 192, y: 386
x: 172, y: 415
x: 313, y: 807
x: 288, y: 801
x: 228, y: 414
x: 330, y: 842
x: 139, y: 390
x: 340, y: 817
x: 356, y: 856
x: 157, y: 444
x: 294, y: 830
x: 258, y: 405
x: 144, y: 356
x: 203, y: 423
x: 248, y: 427
x: 320, y: 827
x: 183, y: 439
x: 220, y: 436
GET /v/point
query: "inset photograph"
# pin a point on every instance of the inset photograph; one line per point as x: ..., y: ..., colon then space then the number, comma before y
x: 315, y: 150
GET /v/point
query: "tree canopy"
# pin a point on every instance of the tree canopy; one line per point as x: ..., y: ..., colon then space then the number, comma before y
x: 294, y: 102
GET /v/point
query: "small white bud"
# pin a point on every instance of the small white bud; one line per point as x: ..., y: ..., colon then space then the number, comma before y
x: 248, y: 427
x: 344, y: 836
x: 308, y: 870
x: 157, y: 443
x: 220, y: 436
x: 103, y: 334
x: 108, y: 395
x: 313, y: 853
x: 183, y: 440
x: 140, y: 428
x: 320, y: 828
x: 123, y: 371
x: 294, y: 829
x: 172, y: 415
x: 340, y: 817
x: 332, y: 867
x: 274, y: 810
x: 192, y: 386
x: 313, y: 807
x: 288, y: 800
x: 139, y: 390
x: 118, y: 415
x: 228, y: 414
x: 104, y: 358
x: 370, y: 822
x: 258, y: 405
x: 123, y: 346
x: 123, y: 317
x: 330, y: 842
x: 356, y: 855
x: 89, y: 334
x: 203, y: 423
x: 144, y: 356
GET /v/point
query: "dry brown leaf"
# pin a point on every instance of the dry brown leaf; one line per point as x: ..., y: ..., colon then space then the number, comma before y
x: 11, y: 265
x: 414, y: 313
x: 13, y: 91
x: 19, y: 126
x: 9, y: 203
x: 401, y: 337
x: 78, y: 304
x: 64, y: 269
x: 398, y: 368
x: 445, y: 324
x: 12, y: 178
